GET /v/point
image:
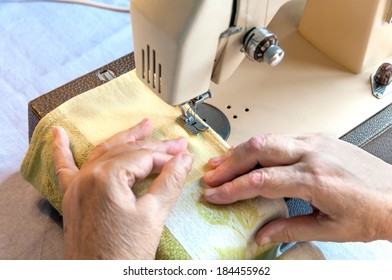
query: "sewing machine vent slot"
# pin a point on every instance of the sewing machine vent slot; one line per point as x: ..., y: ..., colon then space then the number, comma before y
x: 159, y: 77
x: 152, y: 71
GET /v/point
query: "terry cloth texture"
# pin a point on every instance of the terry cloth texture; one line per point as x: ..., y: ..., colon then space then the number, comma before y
x: 194, y: 229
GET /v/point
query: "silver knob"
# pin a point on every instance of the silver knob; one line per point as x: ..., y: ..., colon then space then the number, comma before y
x: 262, y: 45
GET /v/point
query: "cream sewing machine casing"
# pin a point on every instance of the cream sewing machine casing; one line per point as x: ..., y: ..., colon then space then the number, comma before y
x: 332, y: 48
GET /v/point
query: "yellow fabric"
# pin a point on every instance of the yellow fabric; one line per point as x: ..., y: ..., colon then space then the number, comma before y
x: 211, y: 232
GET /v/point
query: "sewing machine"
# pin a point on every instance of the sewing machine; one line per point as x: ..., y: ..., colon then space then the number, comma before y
x: 329, y: 80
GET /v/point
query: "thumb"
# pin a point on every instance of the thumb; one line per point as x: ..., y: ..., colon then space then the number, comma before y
x: 63, y: 158
x: 296, y: 229
x: 167, y: 187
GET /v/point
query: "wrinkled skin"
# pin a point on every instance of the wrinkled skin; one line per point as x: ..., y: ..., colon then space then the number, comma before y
x: 102, y: 218
x: 349, y: 189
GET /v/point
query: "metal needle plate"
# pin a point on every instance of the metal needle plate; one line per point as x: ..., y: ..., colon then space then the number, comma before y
x: 215, y: 118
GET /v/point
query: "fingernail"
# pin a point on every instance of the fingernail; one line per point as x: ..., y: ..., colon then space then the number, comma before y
x: 55, y: 132
x: 145, y: 120
x: 264, y: 241
x: 209, y: 193
x: 208, y: 175
x: 216, y: 160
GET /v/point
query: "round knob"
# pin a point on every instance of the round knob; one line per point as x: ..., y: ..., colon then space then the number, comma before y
x: 383, y: 75
x: 262, y: 45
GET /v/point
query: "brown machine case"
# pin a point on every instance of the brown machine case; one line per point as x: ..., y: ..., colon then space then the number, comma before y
x: 45, y: 103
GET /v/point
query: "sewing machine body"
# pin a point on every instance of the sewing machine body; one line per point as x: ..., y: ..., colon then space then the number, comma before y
x: 323, y: 83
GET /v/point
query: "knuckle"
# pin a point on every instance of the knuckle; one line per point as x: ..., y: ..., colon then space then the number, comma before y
x: 99, y: 175
x: 176, y: 179
x: 265, y: 183
x: 254, y: 183
x: 257, y: 179
x: 315, y: 173
x: 314, y: 141
x: 56, y: 146
x: 101, y: 147
x: 60, y: 170
x: 227, y: 191
x: 287, y: 235
x: 312, y: 180
x: 255, y: 143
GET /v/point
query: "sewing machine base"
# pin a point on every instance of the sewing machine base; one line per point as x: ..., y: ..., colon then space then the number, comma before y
x: 307, y: 92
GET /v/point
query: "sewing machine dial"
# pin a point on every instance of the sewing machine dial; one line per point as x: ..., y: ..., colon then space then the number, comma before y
x: 261, y: 45
x: 381, y: 81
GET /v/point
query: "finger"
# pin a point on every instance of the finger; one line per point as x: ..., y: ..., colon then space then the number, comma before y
x: 240, y: 160
x: 218, y: 160
x: 268, y: 150
x: 167, y: 187
x: 272, y: 182
x: 120, y: 174
x: 243, y: 187
x: 138, y: 132
x: 170, y: 147
x: 300, y: 228
x: 136, y: 165
x: 64, y: 162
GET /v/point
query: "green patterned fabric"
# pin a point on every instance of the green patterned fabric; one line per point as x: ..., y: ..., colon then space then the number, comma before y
x: 194, y: 229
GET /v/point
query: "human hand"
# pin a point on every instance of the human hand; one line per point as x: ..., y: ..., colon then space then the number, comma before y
x: 349, y: 189
x: 102, y: 218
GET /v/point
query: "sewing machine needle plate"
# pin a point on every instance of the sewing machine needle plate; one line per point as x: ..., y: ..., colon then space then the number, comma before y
x: 215, y: 118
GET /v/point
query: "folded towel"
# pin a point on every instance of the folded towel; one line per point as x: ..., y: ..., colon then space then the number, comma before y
x: 194, y: 229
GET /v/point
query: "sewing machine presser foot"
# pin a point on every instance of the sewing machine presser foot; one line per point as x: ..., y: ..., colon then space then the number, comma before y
x: 189, y: 119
